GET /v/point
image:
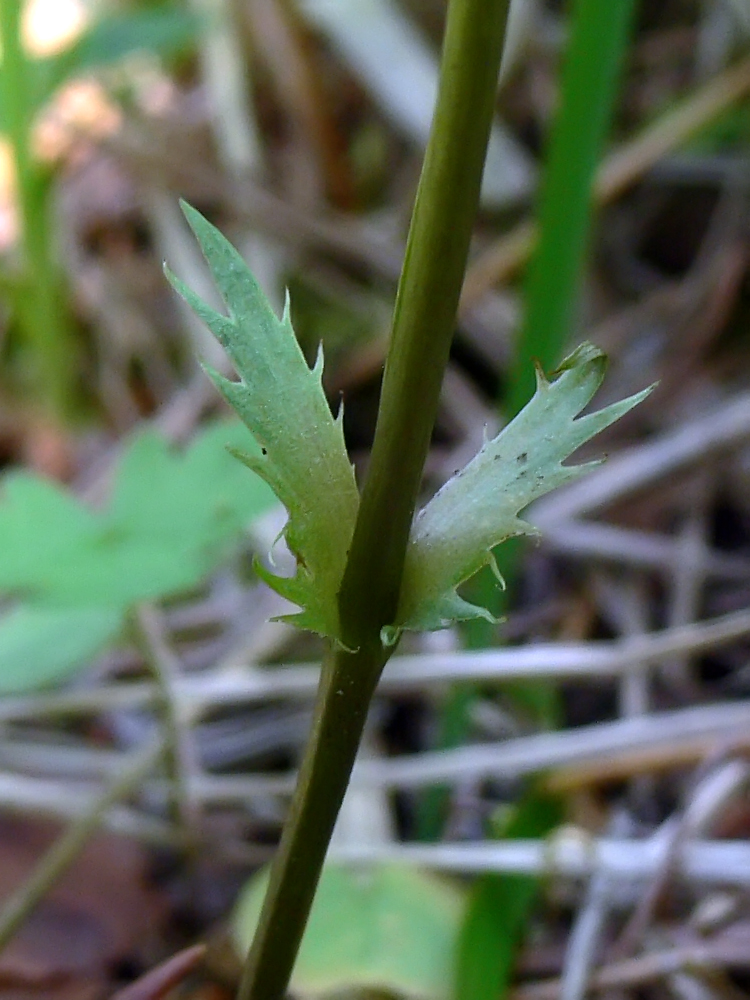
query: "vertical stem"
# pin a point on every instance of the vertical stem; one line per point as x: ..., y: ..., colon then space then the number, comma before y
x: 423, y: 322
x: 347, y: 684
x: 14, y: 88
x: 39, y: 301
x: 424, y: 318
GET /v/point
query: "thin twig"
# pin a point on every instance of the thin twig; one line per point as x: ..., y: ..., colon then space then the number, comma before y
x: 156, y: 983
x: 646, y: 968
x: 627, y: 607
x: 640, y: 549
x: 166, y: 668
x: 706, y: 724
x: 718, y: 787
x: 628, y: 863
x: 689, y: 579
x: 673, y: 735
x: 585, y: 935
x: 67, y: 848
x: 70, y: 800
x: 240, y: 685
x: 618, y: 172
x: 696, y: 730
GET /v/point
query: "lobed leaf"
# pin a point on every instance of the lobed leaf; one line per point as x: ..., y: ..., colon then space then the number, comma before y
x: 454, y: 534
x: 383, y: 930
x: 173, y: 516
x: 302, y: 452
x: 40, y: 646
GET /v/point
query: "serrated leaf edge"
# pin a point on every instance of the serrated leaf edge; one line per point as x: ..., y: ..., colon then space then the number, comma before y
x: 416, y: 610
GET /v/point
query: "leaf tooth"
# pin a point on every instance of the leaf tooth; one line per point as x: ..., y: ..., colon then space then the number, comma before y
x: 518, y: 526
x: 390, y: 635
x: 291, y: 587
x: 233, y: 392
x: 492, y: 563
x: 304, y: 619
x: 542, y: 383
x: 453, y: 607
x: 585, y: 355
x: 339, y: 417
x: 222, y: 327
x: 286, y: 315
x: 580, y: 469
x: 318, y: 366
x: 593, y: 423
x: 259, y: 464
x: 221, y: 382
x: 238, y: 286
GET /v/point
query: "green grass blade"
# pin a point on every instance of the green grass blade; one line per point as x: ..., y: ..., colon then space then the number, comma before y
x: 498, y: 911
x: 599, y: 34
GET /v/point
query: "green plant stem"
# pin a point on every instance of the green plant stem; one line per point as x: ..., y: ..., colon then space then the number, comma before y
x: 347, y: 685
x: 64, y: 851
x: 38, y: 298
x: 423, y: 322
x: 424, y: 318
x: 14, y: 89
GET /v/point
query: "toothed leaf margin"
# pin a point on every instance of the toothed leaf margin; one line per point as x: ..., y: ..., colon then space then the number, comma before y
x: 454, y: 534
x: 281, y: 400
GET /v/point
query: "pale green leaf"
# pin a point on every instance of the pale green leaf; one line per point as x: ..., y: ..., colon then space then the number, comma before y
x: 172, y: 518
x: 384, y: 928
x: 175, y: 515
x: 41, y: 646
x: 42, y: 527
x: 280, y: 399
x: 453, y: 535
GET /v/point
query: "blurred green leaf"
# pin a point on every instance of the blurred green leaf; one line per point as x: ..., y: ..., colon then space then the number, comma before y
x: 165, y: 31
x: 173, y: 516
x: 39, y: 646
x: 381, y: 928
x: 42, y: 527
x: 171, y: 519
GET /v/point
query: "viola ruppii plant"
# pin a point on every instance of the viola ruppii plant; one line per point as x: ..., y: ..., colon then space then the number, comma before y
x: 303, y: 459
x: 367, y: 569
